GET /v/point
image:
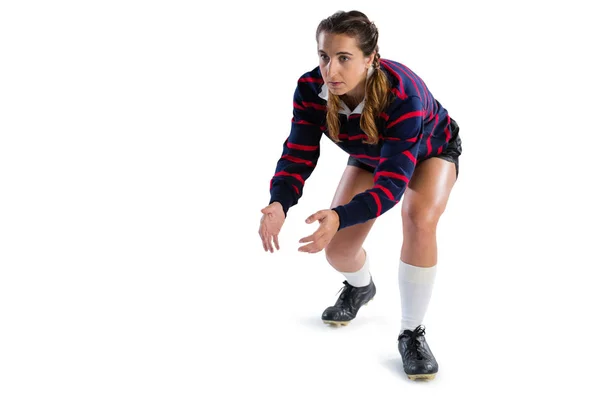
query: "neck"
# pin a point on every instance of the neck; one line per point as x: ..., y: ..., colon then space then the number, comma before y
x: 352, y: 99
x: 356, y: 95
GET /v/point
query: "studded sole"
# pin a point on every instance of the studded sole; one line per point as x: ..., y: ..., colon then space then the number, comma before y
x: 423, y: 377
x: 337, y: 323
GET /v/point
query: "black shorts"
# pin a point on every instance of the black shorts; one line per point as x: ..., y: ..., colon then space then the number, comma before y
x: 452, y: 152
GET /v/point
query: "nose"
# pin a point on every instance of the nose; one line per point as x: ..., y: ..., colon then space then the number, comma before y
x: 332, y: 68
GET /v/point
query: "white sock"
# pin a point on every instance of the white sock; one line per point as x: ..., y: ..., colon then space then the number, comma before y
x: 416, y: 285
x: 362, y: 277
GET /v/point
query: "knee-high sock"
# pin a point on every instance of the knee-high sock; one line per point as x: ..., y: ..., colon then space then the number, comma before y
x: 360, y: 278
x: 416, y: 286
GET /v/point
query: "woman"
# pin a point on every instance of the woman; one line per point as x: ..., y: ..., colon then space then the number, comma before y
x: 401, y: 142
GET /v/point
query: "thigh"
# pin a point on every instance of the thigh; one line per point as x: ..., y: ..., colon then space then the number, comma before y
x: 354, y: 180
x: 428, y: 190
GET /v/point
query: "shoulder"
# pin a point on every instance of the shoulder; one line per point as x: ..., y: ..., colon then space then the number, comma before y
x: 403, y: 81
x: 307, y: 91
x: 312, y: 77
x: 309, y: 84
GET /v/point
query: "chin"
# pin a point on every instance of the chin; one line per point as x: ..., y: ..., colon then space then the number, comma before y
x: 337, y: 92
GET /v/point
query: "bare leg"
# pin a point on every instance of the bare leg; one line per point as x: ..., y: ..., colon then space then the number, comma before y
x: 345, y: 252
x: 424, y: 202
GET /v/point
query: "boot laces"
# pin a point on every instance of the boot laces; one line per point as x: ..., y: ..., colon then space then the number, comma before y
x: 346, y: 289
x: 414, y: 346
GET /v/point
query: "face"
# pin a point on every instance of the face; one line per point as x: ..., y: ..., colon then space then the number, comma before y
x: 343, y: 65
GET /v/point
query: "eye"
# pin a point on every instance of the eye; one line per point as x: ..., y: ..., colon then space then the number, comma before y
x: 344, y: 58
x: 324, y: 57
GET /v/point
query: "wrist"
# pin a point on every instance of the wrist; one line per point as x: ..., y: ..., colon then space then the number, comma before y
x: 278, y: 205
x: 337, y: 217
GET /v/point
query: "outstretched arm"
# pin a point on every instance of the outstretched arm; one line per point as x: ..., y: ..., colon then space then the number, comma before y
x: 300, y: 150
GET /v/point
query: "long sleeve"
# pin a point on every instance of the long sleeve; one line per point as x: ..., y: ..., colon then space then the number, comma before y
x: 399, y: 151
x: 301, y: 149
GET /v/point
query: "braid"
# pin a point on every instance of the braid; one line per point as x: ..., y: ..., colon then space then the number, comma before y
x: 376, y: 63
x: 333, y: 123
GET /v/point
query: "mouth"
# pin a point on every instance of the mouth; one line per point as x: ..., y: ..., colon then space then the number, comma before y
x: 335, y: 83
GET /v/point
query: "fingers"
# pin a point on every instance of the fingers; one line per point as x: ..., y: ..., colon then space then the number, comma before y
x: 313, y: 247
x: 262, y: 236
x: 316, y: 216
x: 316, y: 242
x: 268, y: 239
x: 267, y: 209
x: 265, y: 236
x: 314, y: 237
x: 265, y: 239
x: 317, y: 234
x: 264, y: 243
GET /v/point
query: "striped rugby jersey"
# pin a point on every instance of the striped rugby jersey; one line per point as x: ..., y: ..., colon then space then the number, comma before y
x: 414, y: 127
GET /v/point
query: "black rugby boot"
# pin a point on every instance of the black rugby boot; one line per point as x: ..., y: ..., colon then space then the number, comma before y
x: 419, y: 362
x: 347, y: 305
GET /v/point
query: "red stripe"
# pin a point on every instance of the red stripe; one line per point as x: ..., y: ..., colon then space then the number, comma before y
x: 302, y: 122
x: 408, y: 154
x: 378, y: 202
x: 386, y: 191
x: 301, y: 147
x: 407, y: 72
x: 384, y: 116
x: 308, y: 79
x: 447, y: 130
x: 357, y: 137
x: 437, y: 119
x: 314, y: 105
x: 423, y: 98
x: 296, y: 189
x: 391, y: 175
x: 411, y: 114
x: 365, y: 156
x: 440, y: 149
x: 354, y: 116
x: 297, y: 176
x: 411, y: 140
x: 400, y: 94
x: 298, y: 106
x: 353, y: 137
x: 298, y: 160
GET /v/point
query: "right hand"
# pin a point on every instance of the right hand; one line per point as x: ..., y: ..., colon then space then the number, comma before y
x: 270, y: 225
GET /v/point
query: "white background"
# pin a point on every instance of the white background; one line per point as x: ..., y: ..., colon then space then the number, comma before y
x: 137, y: 144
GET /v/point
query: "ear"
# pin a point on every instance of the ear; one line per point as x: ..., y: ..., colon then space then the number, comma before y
x: 370, y: 60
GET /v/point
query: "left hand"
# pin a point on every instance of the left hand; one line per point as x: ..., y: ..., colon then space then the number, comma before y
x: 329, y: 223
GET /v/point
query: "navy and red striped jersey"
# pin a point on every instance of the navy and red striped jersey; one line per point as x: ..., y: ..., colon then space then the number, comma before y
x: 414, y: 127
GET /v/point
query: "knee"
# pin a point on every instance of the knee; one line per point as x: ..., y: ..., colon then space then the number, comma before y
x: 421, y: 218
x: 337, y: 254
